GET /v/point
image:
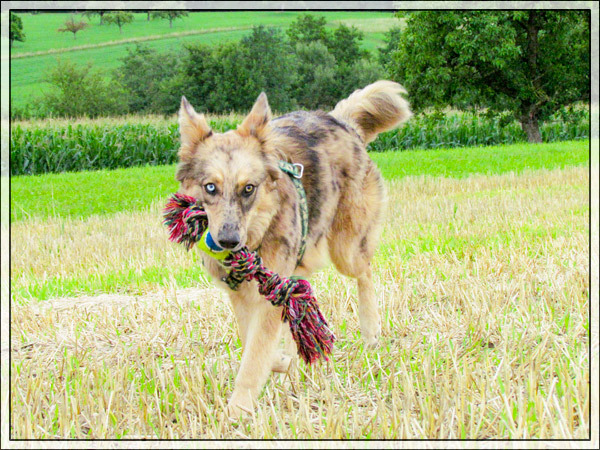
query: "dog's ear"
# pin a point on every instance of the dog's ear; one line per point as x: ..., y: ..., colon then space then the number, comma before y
x: 255, y: 123
x: 193, y: 129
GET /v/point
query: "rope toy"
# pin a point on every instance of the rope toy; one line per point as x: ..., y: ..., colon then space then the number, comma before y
x: 188, y: 224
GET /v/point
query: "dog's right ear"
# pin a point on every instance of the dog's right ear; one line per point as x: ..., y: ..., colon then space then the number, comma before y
x: 193, y: 129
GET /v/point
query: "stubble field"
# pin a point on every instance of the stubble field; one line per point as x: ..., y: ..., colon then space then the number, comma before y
x: 483, y: 281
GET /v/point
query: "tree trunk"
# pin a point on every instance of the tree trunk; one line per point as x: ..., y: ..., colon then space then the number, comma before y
x: 531, y: 127
x: 170, y: 23
x: 529, y: 117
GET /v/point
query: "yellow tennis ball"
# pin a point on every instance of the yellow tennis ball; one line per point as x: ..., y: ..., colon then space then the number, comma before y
x: 203, y: 244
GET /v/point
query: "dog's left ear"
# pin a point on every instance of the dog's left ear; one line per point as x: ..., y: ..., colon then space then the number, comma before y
x: 256, y: 123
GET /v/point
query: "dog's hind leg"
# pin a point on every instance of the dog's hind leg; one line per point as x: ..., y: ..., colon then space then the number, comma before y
x: 352, y: 243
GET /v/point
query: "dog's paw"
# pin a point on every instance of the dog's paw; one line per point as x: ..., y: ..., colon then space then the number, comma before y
x: 239, y: 406
x: 371, y: 340
x: 281, y: 363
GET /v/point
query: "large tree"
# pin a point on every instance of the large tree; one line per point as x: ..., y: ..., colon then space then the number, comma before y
x: 530, y: 63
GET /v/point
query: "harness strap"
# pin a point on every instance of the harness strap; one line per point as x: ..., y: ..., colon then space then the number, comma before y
x: 295, y: 171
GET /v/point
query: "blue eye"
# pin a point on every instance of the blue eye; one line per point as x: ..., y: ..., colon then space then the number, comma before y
x: 210, y: 188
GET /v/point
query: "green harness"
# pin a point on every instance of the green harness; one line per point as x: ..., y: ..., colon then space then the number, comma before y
x: 295, y: 171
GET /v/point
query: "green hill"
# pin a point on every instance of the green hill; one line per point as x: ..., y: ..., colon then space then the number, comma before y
x: 103, y: 45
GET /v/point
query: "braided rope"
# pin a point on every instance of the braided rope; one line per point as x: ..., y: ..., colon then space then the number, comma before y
x: 187, y: 222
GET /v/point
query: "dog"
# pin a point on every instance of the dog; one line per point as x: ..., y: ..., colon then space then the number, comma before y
x: 251, y: 202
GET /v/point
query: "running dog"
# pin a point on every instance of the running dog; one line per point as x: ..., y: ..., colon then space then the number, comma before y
x: 250, y: 201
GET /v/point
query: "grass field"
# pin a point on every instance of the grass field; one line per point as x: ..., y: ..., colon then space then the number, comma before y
x: 43, y: 45
x: 482, y: 276
x: 68, y: 195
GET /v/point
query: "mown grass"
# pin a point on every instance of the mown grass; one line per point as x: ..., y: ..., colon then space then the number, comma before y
x: 27, y: 74
x: 42, y: 35
x: 483, y: 282
x: 80, y: 195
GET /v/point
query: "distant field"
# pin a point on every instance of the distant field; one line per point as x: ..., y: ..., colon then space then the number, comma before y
x: 41, y: 33
x: 69, y: 194
x: 27, y: 73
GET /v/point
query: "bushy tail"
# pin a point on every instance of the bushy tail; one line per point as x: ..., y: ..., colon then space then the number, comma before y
x: 373, y: 109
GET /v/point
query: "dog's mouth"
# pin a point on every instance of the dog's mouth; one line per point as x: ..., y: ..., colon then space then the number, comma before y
x: 234, y: 249
x: 229, y: 244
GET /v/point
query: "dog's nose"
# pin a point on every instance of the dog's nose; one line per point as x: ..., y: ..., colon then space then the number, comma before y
x: 228, y: 237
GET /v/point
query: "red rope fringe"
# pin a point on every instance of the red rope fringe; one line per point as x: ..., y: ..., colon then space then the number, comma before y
x: 186, y: 221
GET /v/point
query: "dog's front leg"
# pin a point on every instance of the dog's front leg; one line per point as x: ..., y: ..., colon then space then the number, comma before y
x: 260, y: 326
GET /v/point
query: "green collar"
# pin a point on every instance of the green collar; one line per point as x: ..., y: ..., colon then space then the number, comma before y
x: 295, y: 171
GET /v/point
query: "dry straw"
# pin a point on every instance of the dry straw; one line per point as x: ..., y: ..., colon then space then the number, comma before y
x: 484, y: 288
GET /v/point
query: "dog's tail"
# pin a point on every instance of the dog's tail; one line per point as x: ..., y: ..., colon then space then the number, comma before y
x: 373, y: 109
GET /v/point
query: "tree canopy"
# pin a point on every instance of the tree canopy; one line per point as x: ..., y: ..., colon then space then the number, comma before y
x: 170, y: 15
x: 16, y: 29
x: 73, y: 27
x: 119, y: 18
x: 530, y: 62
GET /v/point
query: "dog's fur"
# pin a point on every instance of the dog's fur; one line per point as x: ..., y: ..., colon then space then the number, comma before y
x: 346, y: 202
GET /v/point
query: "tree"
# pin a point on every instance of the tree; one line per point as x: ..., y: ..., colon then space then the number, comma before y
x: 272, y: 66
x: 228, y: 77
x: 317, y: 83
x: 334, y: 68
x: 119, y: 18
x: 141, y: 74
x: 82, y: 91
x: 16, y: 29
x: 306, y: 29
x: 344, y: 44
x: 392, y: 42
x: 530, y: 62
x: 73, y: 27
x: 171, y: 15
x: 95, y: 12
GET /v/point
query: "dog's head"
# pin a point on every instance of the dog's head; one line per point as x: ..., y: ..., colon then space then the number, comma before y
x: 232, y: 174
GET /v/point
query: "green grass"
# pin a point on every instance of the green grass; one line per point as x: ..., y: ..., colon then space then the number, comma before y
x: 27, y: 73
x: 83, y: 194
x: 464, y: 161
x: 41, y: 34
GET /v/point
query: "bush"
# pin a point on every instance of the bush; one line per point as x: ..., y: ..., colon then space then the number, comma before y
x: 81, y: 91
x: 317, y: 83
x: 230, y: 76
x: 294, y: 72
x: 143, y: 74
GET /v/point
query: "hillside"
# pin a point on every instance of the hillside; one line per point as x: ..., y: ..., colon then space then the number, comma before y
x: 103, y: 45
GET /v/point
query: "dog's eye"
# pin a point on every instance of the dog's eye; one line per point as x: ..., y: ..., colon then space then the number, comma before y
x: 248, y: 190
x: 210, y: 188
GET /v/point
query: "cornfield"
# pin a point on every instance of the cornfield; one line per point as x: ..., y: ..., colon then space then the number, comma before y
x: 63, y: 146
